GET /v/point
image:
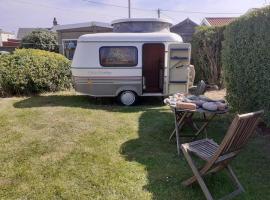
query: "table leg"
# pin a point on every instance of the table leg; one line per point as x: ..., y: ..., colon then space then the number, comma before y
x: 205, y: 124
x: 178, y: 129
x: 178, y: 116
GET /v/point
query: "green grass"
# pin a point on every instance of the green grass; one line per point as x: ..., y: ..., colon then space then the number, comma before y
x: 62, y: 146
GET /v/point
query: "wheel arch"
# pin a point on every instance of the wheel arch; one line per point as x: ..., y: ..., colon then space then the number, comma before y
x: 127, y: 88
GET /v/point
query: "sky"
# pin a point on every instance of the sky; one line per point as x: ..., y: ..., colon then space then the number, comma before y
x: 38, y: 13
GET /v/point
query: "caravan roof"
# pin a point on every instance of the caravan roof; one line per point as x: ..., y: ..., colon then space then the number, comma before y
x: 131, y: 37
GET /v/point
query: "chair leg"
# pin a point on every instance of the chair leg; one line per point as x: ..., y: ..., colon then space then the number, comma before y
x: 233, y: 177
x: 197, y: 175
x: 198, y: 178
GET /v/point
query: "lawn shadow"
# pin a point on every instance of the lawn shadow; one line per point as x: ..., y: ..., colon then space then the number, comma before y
x: 86, y: 102
x: 166, y: 170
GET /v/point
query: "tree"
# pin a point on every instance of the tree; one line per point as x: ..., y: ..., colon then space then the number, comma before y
x: 206, y: 54
x: 40, y: 39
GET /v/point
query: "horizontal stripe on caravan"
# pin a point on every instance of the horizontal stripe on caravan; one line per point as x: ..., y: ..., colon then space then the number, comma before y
x: 108, y: 83
x: 106, y: 67
x: 108, y: 77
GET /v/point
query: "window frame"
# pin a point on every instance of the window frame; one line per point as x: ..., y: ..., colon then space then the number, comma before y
x: 119, y: 65
x: 63, y: 47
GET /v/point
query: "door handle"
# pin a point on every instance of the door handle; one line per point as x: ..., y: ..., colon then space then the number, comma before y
x: 180, y: 66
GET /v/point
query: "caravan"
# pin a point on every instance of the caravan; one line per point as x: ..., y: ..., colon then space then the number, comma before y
x: 128, y: 65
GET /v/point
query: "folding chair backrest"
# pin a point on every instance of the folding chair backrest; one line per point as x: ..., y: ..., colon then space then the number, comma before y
x: 239, y: 132
x: 201, y: 88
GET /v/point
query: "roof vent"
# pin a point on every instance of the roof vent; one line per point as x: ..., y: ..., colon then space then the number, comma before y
x: 141, y: 25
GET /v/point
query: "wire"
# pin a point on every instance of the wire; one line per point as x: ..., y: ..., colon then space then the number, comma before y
x: 118, y: 6
x: 62, y: 9
x: 199, y: 12
x: 162, y: 13
x: 167, y: 10
x: 122, y: 6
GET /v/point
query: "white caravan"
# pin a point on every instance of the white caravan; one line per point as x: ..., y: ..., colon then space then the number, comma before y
x: 129, y: 65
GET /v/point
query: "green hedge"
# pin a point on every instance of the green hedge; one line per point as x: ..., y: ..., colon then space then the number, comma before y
x: 206, y: 54
x: 41, y: 39
x: 29, y: 71
x: 246, y: 62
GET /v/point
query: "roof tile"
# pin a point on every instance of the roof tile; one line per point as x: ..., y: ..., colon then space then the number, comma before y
x: 220, y: 21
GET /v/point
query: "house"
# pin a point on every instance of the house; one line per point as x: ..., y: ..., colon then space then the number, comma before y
x: 185, y: 29
x: 22, y: 32
x: 4, y: 36
x: 68, y: 34
x: 11, y: 43
x: 217, y: 21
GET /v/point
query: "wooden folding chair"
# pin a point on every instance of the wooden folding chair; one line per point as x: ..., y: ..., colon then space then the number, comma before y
x: 217, y: 157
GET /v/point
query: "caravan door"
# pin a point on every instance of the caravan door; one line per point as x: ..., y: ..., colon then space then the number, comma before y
x: 153, y: 67
x: 178, y: 63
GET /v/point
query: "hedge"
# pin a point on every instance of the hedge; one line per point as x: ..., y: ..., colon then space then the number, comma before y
x: 31, y: 71
x: 246, y: 62
x: 206, y: 54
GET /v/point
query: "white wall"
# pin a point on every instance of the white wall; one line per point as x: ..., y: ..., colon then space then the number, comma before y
x: 5, y: 36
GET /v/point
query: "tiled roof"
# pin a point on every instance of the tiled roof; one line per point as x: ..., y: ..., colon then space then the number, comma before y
x: 219, y: 21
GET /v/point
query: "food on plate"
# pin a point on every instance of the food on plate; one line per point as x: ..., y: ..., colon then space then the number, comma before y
x: 185, y: 106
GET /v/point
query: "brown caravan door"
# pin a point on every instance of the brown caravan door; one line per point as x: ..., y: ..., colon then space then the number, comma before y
x: 153, y: 67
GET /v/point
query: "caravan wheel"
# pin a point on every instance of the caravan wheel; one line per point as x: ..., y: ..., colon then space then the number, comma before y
x: 128, y: 98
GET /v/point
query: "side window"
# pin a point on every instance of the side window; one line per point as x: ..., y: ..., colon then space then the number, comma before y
x: 69, y: 48
x: 118, y: 56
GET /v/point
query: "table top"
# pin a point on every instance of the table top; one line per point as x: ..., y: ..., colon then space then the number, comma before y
x: 199, y: 110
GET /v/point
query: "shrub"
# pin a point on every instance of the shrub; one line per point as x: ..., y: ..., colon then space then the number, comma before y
x: 246, y: 62
x: 206, y: 54
x: 41, y: 39
x: 28, y: 71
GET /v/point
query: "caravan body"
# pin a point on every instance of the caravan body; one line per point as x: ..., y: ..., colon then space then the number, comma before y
x: 127, y: 64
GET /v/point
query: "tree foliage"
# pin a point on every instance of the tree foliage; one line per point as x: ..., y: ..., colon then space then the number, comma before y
x: 41, y: 39
x: 246, y: 62
x: 29, y: 71
x: 206, y: 54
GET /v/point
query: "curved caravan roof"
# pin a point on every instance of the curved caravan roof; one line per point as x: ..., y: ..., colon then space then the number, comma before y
x: 130, y: 37
x: 141, y: 20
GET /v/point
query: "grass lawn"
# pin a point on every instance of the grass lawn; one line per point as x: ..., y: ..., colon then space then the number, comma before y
x: 62, y: 146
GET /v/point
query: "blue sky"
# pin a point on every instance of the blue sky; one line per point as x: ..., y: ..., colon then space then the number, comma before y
x: 37, y: 13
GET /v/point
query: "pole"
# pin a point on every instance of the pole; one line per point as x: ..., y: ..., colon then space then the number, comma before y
x: 158, y: 11
x: 129, y: 13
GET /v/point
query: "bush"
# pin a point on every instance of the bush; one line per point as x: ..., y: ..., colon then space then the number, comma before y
x: 206, y: 54
x: 29, y: 71
x: 40, y: 39
x: 246, y: 62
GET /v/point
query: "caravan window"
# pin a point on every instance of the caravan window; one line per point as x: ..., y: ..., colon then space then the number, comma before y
x: 118, y: 56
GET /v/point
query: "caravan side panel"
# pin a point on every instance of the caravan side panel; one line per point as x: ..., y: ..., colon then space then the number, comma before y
x: 92, y: 79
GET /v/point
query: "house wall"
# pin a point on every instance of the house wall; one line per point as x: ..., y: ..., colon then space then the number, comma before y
x: 5, y: 36
x: 74, y: 34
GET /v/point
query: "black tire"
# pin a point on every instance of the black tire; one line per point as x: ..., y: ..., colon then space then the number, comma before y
x: 127, y: 98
